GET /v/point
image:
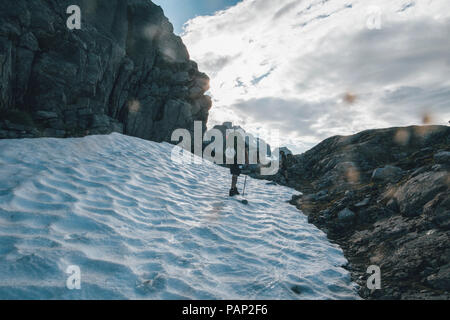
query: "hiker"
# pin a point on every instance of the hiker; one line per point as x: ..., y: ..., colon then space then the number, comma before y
x: 283, y: 165
x: 235, y: 170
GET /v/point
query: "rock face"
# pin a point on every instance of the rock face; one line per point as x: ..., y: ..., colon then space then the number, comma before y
x: 387, y: 174
x: 123, y: 71
x: 387, y: 203
x: 416, y: 192
x: 346, y: 215
x: 442, y: 157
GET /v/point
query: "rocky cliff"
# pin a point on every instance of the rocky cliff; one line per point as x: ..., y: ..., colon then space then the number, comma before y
x: 384, y: 196
x: 123, y: 71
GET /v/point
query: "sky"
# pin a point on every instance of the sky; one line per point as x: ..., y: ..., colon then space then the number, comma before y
x: 180, y: 11
x: 299, y: 71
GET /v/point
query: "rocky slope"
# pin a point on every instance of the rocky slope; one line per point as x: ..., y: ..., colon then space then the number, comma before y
x: 123, y: 71
x: 384, y: 196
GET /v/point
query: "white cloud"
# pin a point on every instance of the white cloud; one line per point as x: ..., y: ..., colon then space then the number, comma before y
x: 288, y: 64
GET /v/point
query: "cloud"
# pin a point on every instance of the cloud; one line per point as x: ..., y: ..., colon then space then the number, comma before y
x: 214, y: 62
x: 291, y: 65
x: 399, y: 53
x: 407, y: 104
x: 287, y: 115
x: 284, y: 10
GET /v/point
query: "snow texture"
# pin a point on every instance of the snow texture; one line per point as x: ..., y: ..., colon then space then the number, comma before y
x: 141, y: 226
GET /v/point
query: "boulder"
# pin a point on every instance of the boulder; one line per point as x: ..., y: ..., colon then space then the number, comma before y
x: 442, y: 219
x: 387, y: 174
x: 441, y: 279
x: 45, y: 115
x: 326, y: 214
x: 442, y: 157
x: 419, y: 190
x: 362, y: 203
x: 346, y: 215
x: 392, y: 205
x: 321, y: 195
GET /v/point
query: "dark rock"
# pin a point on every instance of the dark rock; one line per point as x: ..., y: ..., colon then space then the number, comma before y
x: 181, y: 77
x: 362, y: 203
x: 295, y: 199
x: 419, y: 171
x: 417, y: 191
x: 3, y: 134
x: 346, y: 215
x: 370, y: 214
x: 15, y: 127
x: 45, y: 115
x: 29, y: 41
x: 309, y: 197
x: 124, y: 71
x: 321, y: 196
x: 349, y: 194
x: 441, y: 280
x: 387, y: 174
x: 411, y: 248
x: 50, y: 132
x: 321, y: 193
x: 442, y: 157
x: 326, y: 214
x: 392, y: 205
x: 442, y: 220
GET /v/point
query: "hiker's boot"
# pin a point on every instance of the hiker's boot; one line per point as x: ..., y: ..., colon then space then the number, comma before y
x: 233, y: 192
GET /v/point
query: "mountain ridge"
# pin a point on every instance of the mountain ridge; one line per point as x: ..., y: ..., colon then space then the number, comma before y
x: 123, y: 71
x: 383, y: 196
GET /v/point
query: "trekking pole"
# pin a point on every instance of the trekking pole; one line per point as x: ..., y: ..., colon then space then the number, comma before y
x: 245, y: 181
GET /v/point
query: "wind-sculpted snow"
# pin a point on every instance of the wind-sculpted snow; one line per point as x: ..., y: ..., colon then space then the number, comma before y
x: 141, y: 226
